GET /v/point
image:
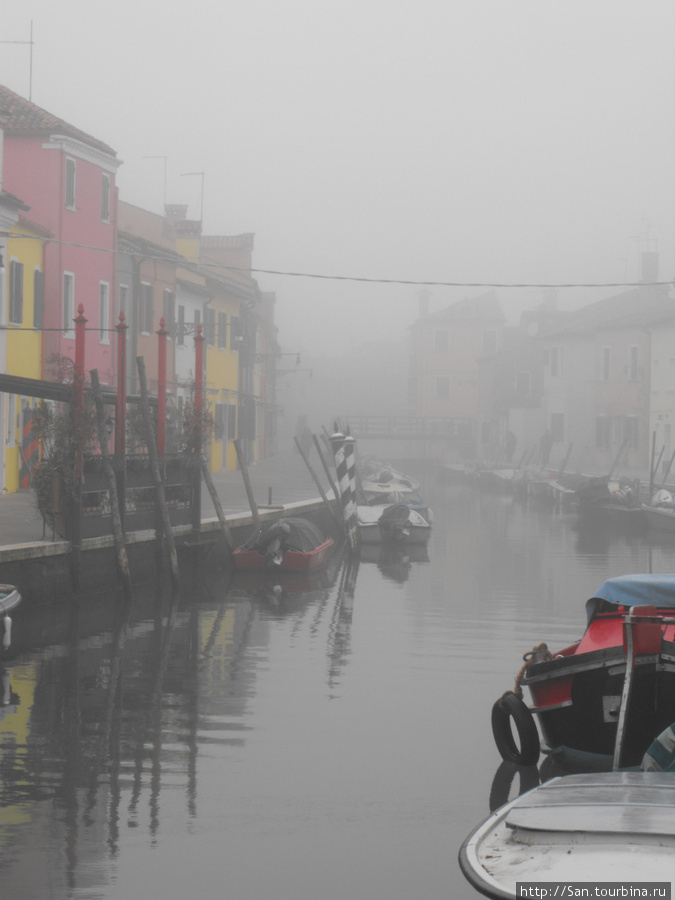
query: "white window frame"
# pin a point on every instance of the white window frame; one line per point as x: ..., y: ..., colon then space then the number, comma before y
x: 103, y: 312
x: 15, y: 268
x: 143, y: 311
x: 71, y: 183
x: 68, y: 305
x: 105, y: 197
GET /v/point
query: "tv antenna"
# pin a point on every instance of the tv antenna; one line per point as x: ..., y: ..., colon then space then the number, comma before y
x: 30, y: 71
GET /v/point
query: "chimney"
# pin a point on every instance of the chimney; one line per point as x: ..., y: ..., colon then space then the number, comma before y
x: 177, y: 212
x: 424, y: 297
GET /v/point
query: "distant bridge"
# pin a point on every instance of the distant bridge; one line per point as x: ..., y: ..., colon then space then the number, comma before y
x: 452, y: 430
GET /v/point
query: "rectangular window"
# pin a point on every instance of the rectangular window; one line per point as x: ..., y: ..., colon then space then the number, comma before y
x: 236, y: 336
x: 170, y: 312
x: 68, y: 304
x: 231, y: 422
x: 222, y: 330
x: 146, y: 308
x: 123, y: 300
x: 558, y: 427
x: 38, y: 299
x: 489, y: 341
x: 210, y: 325
x: 70, y: 183
x: 15, y: 292
x: 442, y: 387
x: 219, y: 424
x: 604, y: 364
x: 103, y: 312
x: 633, y: 370
x: 180, y: 335
x: 442, y: 340
x: 105, y: 198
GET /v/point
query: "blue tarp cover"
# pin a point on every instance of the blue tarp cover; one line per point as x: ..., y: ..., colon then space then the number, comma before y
x: 635, y: 590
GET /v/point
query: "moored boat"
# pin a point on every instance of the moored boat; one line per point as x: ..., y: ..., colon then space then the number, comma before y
x: 397, y: 523
x: 10, y: 598
x: 608, y: 694
x: 289, y: 543
x: 601, y: 827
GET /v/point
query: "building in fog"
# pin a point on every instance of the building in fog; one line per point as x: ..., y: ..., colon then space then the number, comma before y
x: 446, y: 350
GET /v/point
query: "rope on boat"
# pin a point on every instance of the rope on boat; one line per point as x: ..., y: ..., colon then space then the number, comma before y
x: 540, y: 653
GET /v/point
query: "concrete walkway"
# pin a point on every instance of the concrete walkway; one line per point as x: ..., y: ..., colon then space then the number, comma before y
x: 286, y: 476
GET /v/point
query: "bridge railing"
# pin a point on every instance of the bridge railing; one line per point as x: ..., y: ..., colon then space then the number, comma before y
x: 411, y: 427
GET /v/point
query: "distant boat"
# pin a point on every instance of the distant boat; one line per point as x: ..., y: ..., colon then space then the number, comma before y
x: 616, y: 827
x: 288, y: 543
x: 397, y: 523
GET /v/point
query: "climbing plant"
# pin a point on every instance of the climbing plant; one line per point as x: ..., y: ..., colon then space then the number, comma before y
x: 59, y: 436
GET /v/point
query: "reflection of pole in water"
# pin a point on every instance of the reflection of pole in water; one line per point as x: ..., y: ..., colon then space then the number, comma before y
x: 340, y: 628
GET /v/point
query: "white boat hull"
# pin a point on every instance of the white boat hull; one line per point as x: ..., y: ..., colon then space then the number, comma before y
x: 600, y: 827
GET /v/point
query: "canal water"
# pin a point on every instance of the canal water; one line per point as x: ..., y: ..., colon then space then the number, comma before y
x: 311, y: 741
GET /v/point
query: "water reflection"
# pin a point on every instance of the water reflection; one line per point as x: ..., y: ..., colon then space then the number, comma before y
x: 393, y: 560
x: 308, y: 737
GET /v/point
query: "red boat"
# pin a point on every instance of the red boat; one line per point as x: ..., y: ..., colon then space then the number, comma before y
x: 606, y: 697
x: 289, y: 543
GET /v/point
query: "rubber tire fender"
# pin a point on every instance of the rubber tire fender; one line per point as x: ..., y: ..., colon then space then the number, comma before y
x: 510, y: 706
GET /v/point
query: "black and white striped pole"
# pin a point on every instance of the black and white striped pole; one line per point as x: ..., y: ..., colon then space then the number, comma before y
x: 345, y: 470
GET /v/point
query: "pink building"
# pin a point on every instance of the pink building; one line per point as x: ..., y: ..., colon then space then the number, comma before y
x: 67, y: 178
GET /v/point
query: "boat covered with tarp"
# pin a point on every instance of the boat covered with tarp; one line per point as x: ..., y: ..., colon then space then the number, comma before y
x: 291, y: 543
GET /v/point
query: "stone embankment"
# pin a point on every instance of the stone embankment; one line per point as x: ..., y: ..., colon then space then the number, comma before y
x: 283, y: 483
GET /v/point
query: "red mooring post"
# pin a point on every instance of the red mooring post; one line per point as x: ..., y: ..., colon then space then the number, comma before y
x: 161, y: 387
x: 76, y: 527
x: 80, y: 323
x: 199, y: 386
x: 121, y: 419
x: 199, y: 406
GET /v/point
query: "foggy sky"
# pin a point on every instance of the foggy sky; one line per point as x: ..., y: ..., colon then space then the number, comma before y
x: 425, y: 140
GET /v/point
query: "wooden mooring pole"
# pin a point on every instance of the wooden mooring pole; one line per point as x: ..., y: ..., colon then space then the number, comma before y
x: 118, y: 529
x: 154, y: 469
x: 247, y: 483
x: 340, y: 524
x: 227, y: 534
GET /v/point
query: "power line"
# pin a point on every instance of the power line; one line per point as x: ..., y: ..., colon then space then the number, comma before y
x: 353, y: 278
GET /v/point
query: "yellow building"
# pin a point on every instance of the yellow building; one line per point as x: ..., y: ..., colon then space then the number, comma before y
x: 222, y: 346
x: 25, y: 311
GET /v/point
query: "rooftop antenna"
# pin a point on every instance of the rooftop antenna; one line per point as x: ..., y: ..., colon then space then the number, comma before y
x: 201, y: 204
x: 165, y: 159
x: 30, y: 74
